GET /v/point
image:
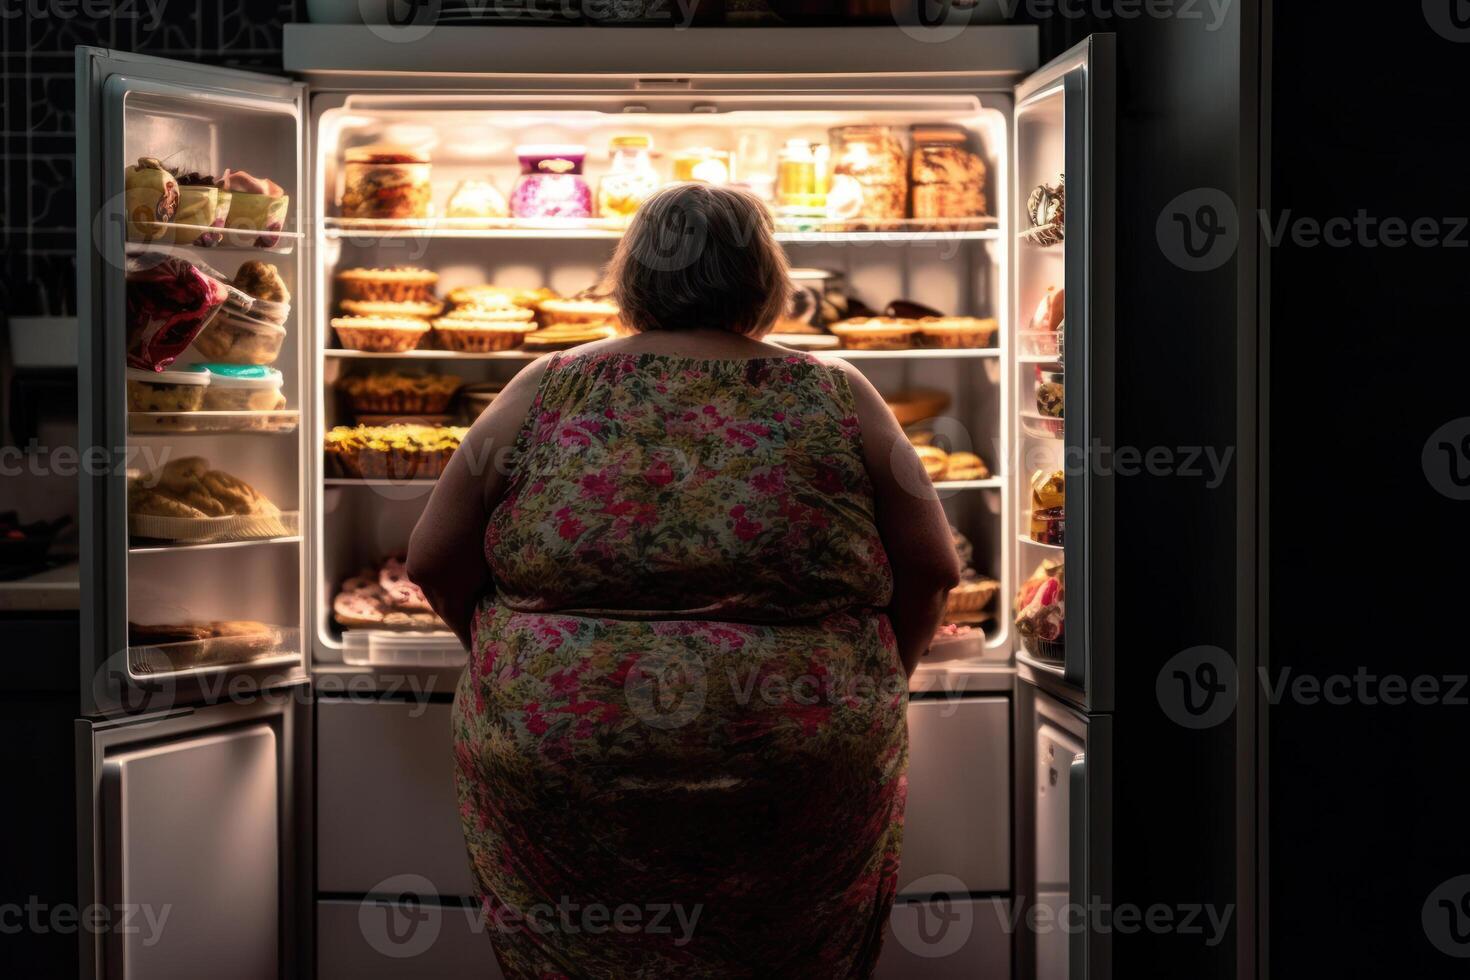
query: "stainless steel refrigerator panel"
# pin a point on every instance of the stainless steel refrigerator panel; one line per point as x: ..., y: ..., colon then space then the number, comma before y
x: 386, y: 803
x: 378, y: 939
x: 947, y: 939
x: 957, y: 827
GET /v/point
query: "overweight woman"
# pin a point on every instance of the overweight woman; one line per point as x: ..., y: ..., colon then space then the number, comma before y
x: 693, y: 571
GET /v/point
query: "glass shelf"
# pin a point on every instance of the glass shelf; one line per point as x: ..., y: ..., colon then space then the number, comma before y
x: 278, y: 422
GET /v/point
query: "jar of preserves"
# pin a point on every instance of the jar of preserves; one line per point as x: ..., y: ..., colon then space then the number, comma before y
x: 385, y: 181
x: 869, y: 175
x: 799, y: 184
x: 948, y: 177
x: 551, y: 183
x: 704, y: 164
x: 631, y: 179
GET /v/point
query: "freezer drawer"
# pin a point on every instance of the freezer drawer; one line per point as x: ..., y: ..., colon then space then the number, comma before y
x: 962, y: 939
x: 386, y: 804
x: 958, y: 821
x: 174, y: 855
x: 375, y: 940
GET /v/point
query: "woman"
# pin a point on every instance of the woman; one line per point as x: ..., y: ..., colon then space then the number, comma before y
x: 692, y: 594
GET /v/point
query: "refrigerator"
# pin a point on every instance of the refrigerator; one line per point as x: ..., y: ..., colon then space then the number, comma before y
x: 310, y: 781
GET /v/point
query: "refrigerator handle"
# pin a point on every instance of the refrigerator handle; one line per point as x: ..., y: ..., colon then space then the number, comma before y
x: 1077, y: 867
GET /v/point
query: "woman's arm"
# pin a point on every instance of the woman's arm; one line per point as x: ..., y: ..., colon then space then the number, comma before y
x: 911, y: 522
x: 446, y: 554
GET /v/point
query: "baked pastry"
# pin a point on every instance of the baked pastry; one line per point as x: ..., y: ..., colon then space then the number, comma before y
x: 965, y: 466
x: 393, y: 452
x: 379, y: 333
x: 394, y: 393
x: 577, y: 312
x: 479, y: 329
x: 972, y: 594
x: 216, y: 493
x: 486, y: 294
x: 916, y: 405
x: 263, y: 281
x: 562, y: 337
x: 401, y: 592
x: 954, y: 332
x: 421, y: 310
x: 477, y: 199
x: 383, y: 598
x: 876, y: 333
x: 401, y: 284
x: 933, y: 459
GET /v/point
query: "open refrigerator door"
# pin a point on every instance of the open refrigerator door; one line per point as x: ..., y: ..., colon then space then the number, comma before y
x: 193, y: 374
x: 1062, y: 371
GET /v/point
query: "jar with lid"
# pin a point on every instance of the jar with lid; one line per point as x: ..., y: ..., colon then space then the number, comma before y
x: 799, y: 185
x: 551, y: 183
x: 381, y: 181
x: 631, y: 179
x: 948, y: 176
x: 702, y: 163
x: 869, y: 175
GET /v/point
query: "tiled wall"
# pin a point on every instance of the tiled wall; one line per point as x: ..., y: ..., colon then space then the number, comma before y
x: 37, y: 216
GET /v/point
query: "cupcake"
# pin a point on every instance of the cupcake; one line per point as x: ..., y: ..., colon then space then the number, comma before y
x: 379, y: 333
x: 257, y: 205
x: 876, y: 333
x: 403, y: 284
x: 151, y: 195
x: 483, y: 329
x: 955, y: 332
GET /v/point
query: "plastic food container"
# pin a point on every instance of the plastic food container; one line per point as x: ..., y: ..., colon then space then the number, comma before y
x: 403, y: 648
x: 1040, y: 344
x: 166, y: 391
x: 243, y: 388
x: 551, y: 183
x: 1050, y: 393
x: 233, y: 338
x: 270, y: 311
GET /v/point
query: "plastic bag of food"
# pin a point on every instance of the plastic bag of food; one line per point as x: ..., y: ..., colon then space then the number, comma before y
x: 168, y: 302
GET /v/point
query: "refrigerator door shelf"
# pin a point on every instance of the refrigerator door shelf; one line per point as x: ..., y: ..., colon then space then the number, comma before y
x: 1064, y: 136
x: 208, y: 119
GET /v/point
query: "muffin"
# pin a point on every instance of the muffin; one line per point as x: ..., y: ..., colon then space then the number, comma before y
x: 955, y: 332
x: 876, y: 333
x: 401, y: 284
x: 379, y: 333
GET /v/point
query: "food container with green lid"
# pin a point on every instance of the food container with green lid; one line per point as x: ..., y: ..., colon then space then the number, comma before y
x: 166, y: 391
x: 243, y: 388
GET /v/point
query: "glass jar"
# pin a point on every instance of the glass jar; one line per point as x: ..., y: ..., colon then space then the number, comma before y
x: 551, y: 183
x: 948, y: 177
x: 702, y: 163
x: 382, y: 181
x: 869, y: 175
x: 799, y: 190
x: 631, y: 180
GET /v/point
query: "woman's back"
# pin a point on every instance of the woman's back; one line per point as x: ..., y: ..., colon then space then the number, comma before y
x: 652, y: 485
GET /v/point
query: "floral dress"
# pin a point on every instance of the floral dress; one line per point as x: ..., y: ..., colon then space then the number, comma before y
x: 680, y: 739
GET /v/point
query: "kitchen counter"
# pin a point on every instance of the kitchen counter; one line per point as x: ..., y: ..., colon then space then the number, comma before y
x: 55, y: 590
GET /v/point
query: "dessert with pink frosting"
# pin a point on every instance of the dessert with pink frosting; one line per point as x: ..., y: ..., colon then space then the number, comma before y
x: 257, y: 206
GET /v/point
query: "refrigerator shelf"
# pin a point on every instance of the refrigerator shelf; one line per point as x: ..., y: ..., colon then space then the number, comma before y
x: 992, y: 483
x: 160, y: 548
x: 1040, y: 426
x: 1027, y: 539
x: 917, y: 353
x: 234, y: 240
x: 372, y: 231
x: 279, y: 422
x: 280, y: 646
x: 165, y: 533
